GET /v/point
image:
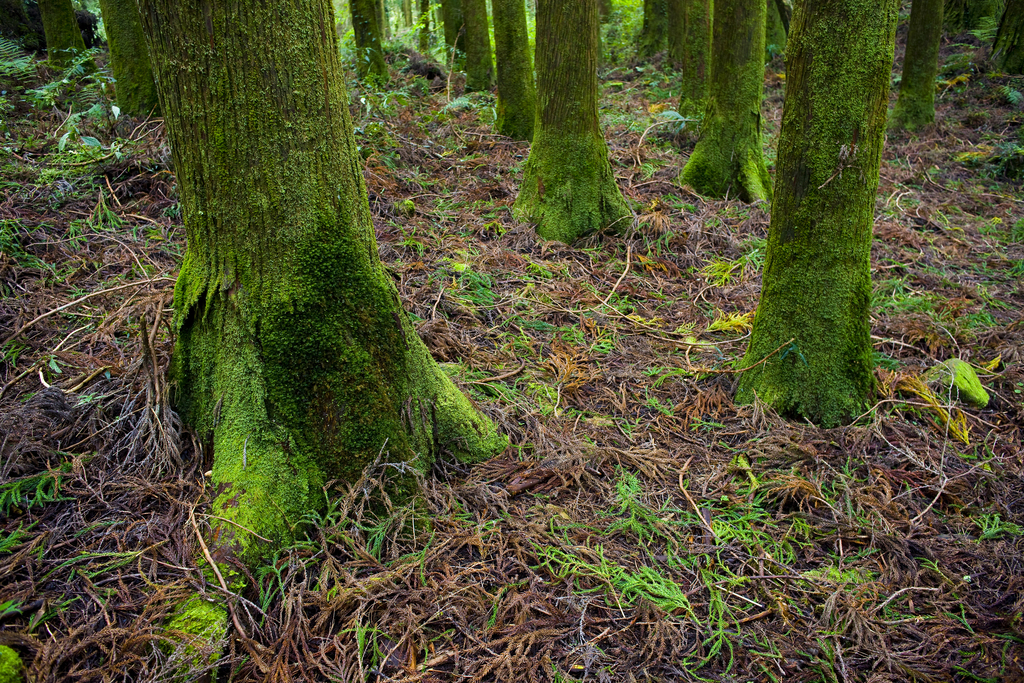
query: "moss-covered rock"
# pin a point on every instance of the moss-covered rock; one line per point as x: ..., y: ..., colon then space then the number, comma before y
x: 11, y: 667
x: 959, y: 381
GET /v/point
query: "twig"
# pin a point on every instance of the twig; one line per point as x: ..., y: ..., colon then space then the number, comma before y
x: 629, y: 253
x: 91, y: 161
x: 245, y: 529
x: 700, y: 515
x: 433, y: 311
x: 749, y: 367
x: 79, y: 300
x: 92, y: 375
x: 216, y: 570
x: 512, y: 373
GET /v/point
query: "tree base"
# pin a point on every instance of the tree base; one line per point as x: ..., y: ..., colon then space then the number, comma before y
x: 723, y: 166
x: 911, y: 115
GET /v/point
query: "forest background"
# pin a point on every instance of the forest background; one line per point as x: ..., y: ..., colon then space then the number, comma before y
x: 642, y: 526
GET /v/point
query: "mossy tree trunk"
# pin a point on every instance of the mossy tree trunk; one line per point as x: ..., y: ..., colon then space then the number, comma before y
x: 63, y: 37
x: 915, y: 106
x: 129, y: 57
x: 690, y: 48
x: 816, y: 287
x: 294, y: 361
x: 728, y: 160
x: 655, y: 29
x: 369, y: 53
x: 383, y: 23
x: 479, y: 59
x: 13, y: 19
x: 1008, y: 50
x: 424, y: 34
x: 517, y: 97
x: 967, y: 15
x: 454, y: 25
x: 407, y: 13
x: 568, y: 187
x: 775, y: 30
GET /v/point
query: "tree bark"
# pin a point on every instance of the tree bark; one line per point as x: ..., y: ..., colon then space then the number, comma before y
x: 655, y: 29
x: 369, y: 54
x: 517, y: 97
x: 129, y: 57
x: 383, y: 24
x: 407, y: 13
x: 1008, y: 50
x: 479, y: 59
x: 816, y: 287
x: 568, y: 187
x: 915, y: 106
x: 424, y: 33
x: 690, y: 48
x: 967, y: 15
x: 775, y: 30
x: 294, y: 361
x: 63, y: 37
x: 454, y: 25
x: 727, y: 160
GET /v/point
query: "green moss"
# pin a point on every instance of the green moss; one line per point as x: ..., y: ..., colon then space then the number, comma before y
x: 916, y: 104
x: 517, y: 96
x: 479, y: 63
x: 1008, y: 49
x: 204, y: 624
x: 129, y: 57
x: 369, y: 55
x: 11, y: 668
x: 816, y: 288
x: 728, y: 160
x: 63, y: 37
x: 689, y: 46
x: 959, y: 381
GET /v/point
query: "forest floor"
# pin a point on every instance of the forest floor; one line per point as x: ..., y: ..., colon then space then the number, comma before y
x: 642, y: 527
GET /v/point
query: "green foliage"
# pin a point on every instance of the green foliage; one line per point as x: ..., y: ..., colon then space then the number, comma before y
x: 37, y: 489
x: 15, y: 63
x: 78, y: 79
x: 619, y: 33
x: 1011, y: 95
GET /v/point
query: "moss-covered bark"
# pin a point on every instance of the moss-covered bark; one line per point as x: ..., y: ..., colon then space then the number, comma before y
x: 655, y: 29
x: 727, y: 160
x: 689, y: 41
x: 63, y: 37
x: 517, y: 97
x: 424, y: 22
x: 967, y: 15
x: 479, y: 59
x: 454, y: 25
x: 1008, y: 50
x: 568, y: 187
x: 817, y: 285
x: 369, y: 54
x: 129, y: 57
x: 407, y: 13
x: 915, y: 106
x: 383, y: 21
x: 775, y: 30
x: 295, y: 362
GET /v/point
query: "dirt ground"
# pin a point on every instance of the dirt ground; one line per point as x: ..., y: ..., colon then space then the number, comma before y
x: 642, y: 527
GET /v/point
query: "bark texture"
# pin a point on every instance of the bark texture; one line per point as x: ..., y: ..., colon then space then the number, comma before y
x: 369, y: 54
x: 655, y: 29
x: 916, y: 104
x: 424, y: 32
x: 63, y: 37
x: 690, y: 48
x: 568, y: 187
x: 454, y: 25
x: 1008, y: 50
x: 775, y: 30
x: 295, y: 361
x: 517, y: 97
x: 479, y: 59
x: 129, y: 57
x: 816, y: 287
x: 727, y: 160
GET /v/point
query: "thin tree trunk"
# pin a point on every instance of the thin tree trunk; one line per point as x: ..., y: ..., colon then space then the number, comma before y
x: 916, y: 104
x: 479, y: 59
x: 63, y: 37
x: 369, y: 55
x: 454, y: 25
x: 517, y: 97
x: 383, y: 23
x: 568, y: 187
x: 424, y: 36
x: 605, y: 9
x: 784, y: 14
x: 1008, y: 50
x: 129, y: 57
x: 655, y: 29
x: 775, y: 30
x: 690, y: 49
x: 816, y: 288
x: 407, y: 13
x: 294, y: 361
x: 727, y: 160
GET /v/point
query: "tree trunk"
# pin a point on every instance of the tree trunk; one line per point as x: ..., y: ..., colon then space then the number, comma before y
x: 568, y: 187
x: 605, y: 9
x: 13, y: 20
x: 424, y: 36
x: 407, y: 13
x: 690, y: 48
x: 129, y: 57
x: 294, y: 361
x: 728, y: 160
x: 369, y: 55
x: 816, y: 287
x: 517, y: 97
x: 1008, y: 50
x: 967, y: 15
x: 655, y: 29
x: 63, y: 37
x: 383, y: 24
x: 454, y: 30
x: 915, y: 106
x: 775, y: 31
x: 479, y: 61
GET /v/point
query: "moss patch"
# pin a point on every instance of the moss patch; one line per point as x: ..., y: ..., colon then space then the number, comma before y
x: 11, y: 667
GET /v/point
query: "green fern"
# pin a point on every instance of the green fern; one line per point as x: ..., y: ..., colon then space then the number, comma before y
x: 1012, y: 96
x: 987, y: 29
x: 15, y: 63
